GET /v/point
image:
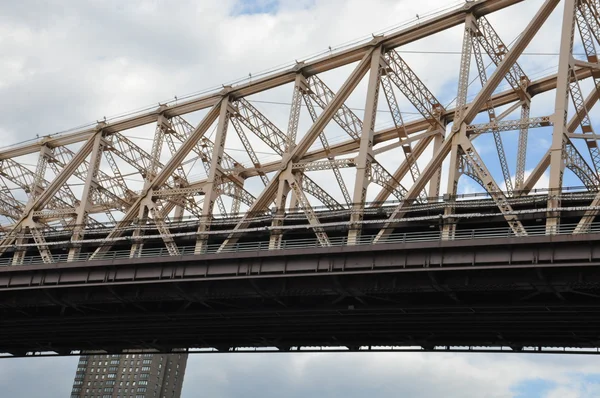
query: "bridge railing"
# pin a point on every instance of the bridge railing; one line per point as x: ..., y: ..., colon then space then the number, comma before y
x: 463, y: 234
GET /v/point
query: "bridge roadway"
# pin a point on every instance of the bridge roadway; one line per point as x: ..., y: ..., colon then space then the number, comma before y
x: 472, y: 212
x: 486, y: 289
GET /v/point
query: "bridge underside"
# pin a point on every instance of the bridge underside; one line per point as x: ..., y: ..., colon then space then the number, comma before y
x: 519, y: 292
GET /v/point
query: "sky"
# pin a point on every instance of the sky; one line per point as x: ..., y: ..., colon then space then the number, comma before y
x: 72, y: 62
x: 352, y: 375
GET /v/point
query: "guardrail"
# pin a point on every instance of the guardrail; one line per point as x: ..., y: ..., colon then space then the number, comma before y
x: 429, y: 236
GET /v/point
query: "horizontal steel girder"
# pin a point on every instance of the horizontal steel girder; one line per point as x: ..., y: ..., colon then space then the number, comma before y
x: 537, y: 291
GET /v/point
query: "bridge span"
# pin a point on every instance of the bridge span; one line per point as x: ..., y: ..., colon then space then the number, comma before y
x: 486, y: 288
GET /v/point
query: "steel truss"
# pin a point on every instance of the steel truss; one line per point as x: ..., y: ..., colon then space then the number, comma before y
x: 83, y: 180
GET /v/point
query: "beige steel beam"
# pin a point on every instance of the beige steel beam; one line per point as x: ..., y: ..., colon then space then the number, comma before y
x: 283, y: 188
x: 459, y: 129
x: 212, y: 182
x: 168, y: 187
x: 472, y: 110
x: 86, y: 196
x: 476, y: 39
x: 500, y: 99
x: 268, y: 194
x: 436, y: 180
x: 392, y: 102
x: 557, y: 159
x: 313, y: 220
x: 365, y: 158
x: 405, y: 36
x: 161, y: 177
x: 46, y: 196
x: 543, y: 164
x: 332, y: 163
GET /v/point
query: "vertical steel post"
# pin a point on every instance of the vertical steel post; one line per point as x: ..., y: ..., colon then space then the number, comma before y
x: 365, y: 154
x: 561, y: 107
x: 211, y: 186
x: 86, y: 196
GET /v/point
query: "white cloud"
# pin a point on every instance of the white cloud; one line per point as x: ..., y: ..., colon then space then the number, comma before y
x: 382, y: 374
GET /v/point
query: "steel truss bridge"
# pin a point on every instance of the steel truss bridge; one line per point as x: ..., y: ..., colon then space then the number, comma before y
x: 112, y: 243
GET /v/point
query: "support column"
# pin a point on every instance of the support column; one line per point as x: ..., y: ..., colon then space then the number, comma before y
x: 436, y: 179
x: 365, y: 154
x: 213, y: 180
x: 40, y: 172
x: 86, y: 196
x: 294, y: 202
x: 522, y: 147
x: 460, y: 127
x: 142, y: 221
x: 144, y: 210
x: 449, y: 225
x: 561, y: 107
x: 37, y: 187
x: 278, y: 212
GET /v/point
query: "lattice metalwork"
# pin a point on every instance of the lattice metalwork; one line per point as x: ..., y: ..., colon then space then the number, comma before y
x: 327, y: 170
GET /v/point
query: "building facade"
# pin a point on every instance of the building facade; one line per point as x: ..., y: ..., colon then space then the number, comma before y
x: 129, y: 376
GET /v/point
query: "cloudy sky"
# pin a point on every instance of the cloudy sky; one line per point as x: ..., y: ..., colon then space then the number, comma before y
x: 71, y: 62
x: 343, y: 375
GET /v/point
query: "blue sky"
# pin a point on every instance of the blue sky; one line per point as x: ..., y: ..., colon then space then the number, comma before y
x: 250, y: 7
x: 533, y: 388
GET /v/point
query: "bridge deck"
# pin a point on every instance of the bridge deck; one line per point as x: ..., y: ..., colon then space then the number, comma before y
x: 501, y: 291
